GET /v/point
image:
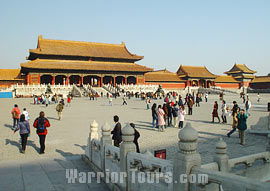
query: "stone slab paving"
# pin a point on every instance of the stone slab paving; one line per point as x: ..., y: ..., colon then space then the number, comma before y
x: 68, y: 138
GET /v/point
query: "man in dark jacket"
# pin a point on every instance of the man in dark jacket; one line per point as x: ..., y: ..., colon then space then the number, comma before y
x: 116, y: 132
x: 136, y: 137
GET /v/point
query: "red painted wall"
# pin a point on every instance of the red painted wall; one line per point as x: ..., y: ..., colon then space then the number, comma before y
x: 227, y: 85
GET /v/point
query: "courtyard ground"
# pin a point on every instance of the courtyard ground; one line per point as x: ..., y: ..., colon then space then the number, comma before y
x: 66, y: 139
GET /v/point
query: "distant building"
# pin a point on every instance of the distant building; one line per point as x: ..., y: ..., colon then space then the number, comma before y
x: 9, y: 77
x: 165, y: 78
x: 260, y: 82
x: 196, y: 76
x: 226, y: 82
x: 242, y: 74
x: 74, y: 62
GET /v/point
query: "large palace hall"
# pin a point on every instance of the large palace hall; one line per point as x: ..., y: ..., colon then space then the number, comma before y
x: 75, y: 62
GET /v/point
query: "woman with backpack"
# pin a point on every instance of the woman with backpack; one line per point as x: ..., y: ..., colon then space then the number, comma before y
x: 41, y: 123
x: 24, y: 127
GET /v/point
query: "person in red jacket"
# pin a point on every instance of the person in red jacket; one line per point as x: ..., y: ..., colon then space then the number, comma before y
x: 15, y: 116
x: 41, y: 123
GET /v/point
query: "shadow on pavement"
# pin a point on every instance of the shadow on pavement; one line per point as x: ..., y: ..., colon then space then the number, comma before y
x: 8, y: 126
x: 83, y: 147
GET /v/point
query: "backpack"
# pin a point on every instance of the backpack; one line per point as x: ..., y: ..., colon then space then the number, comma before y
x: 15, y: 114
x: 41, y: 126
x: 58, y: 108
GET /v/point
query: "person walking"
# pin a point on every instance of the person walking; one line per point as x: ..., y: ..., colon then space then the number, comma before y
x: 215, y: 112
x: 136, y: 137
x: 224, y: 112
x: 154, y: 115
x: 190, y: 105
x: 181, y: 116
x: 26, y: 114
x: 197, y: 101
x: 165, y: 109
x: 59, y: 108
x: 68, y: 101
x: 206, y: 97
x: 41, y: 124
x: 258, y: 97
x: 175, y: 115
x: 247, y: 106
x: 242, y: 125
x: 235, y: 111
x: 15, y: 115
x: 24, y: 128
x: 124, y: 100
x: 148, y: 101
x: 110, y: 100
x: 161, y: 121
x: 116, y: 132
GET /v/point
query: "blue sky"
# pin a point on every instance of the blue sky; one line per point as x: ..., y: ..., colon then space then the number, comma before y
x: 211, y: 33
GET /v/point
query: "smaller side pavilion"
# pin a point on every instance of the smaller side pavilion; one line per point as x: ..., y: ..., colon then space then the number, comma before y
x: 260, y: 82
x: 164, y: 78
x: 9, y: 77
x: 226, y: 82
x: 242, y: 74
x: 196, y: 76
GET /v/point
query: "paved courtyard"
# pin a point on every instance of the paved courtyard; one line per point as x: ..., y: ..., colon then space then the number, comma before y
x: 66, y: 139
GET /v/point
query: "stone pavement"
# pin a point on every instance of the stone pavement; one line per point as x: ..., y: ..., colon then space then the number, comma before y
x: 44, y: 174
x: 68, y: 138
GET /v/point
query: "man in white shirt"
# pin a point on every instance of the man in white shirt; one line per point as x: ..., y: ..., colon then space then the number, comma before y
x: 26, y: 114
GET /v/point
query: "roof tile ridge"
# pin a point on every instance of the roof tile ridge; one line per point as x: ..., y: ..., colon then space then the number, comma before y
x: 84, y: 42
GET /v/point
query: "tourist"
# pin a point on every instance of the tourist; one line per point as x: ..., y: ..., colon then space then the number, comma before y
x: 206, y: 97
x: 59, y: 108
x: 136, y: 137
x: 154, y: 115
x: 235, y: 111
x: 24, y: 127
x: 169, y: 107
x: 68, y: 100
x: 258, y: 97
x: 161, y: 117
x: 15, y: 115
x: 124, y: 100
x: 148, y: 101
x: 180, y: 101
x: 197, y: 101
x: 175, y: 115
x: 190, y: 105
x: 165, y: 109
x: 224, y: 112
x: 247, y: 106
x: 116, y: 132
x: 42, y: 123
x: 215, y: 112
x: 242, y: 125
x: 26, y: 114
x: 181, y: 116
x: 110, y: 100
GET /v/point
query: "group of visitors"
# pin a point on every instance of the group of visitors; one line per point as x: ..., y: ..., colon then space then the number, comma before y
x: 48, y: 99
x: 21, y: 122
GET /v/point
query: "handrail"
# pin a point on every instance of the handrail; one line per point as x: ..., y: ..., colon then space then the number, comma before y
x: 232, y: 181
x: 248, y: 160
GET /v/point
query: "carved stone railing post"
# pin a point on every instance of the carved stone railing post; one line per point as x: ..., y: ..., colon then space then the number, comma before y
x: 105, y: 139
x: 126, y: 146
x: 186, y: 158
x: 221, y: 156
x: 93, y: 134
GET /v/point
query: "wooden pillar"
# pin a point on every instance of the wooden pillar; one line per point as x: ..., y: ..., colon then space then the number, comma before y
x: 143, y: 80
x: 98, y: 82
x: 67, y: 81
x: 38, y: 78
x: 81, y: 80
x: 29, y: 79
x: 114, y: 81
x: 53, y: 79
x: 136, y: 79
x: 126, y: 79
x: 101, y: 81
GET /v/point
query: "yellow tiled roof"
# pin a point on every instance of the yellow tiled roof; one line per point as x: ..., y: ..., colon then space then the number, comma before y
x: 238, y: 68
x: 10, y: 74
x: 85, y: 65
x: 162, y: 76
x: 261, y: 79
x: 85, y: 49
x: 195, y: 71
